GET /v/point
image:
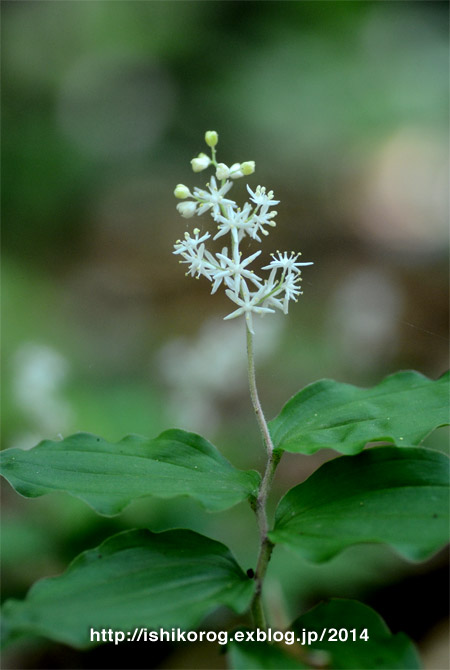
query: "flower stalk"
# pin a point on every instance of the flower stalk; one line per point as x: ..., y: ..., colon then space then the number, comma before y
x: 250, y: 293
x: 273, y: 458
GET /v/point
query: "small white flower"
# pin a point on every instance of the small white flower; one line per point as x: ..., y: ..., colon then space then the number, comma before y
x: 236, y: 268
x: 291, y: 290
x: 214, y: 199
x: 260, y: 197
x: 187, y: 209
x: 235, y: 222
x: 199, y: 265
x: 200, y: 163
x: 218, y: 276
x: 190, y: 244
x: 248, y: 304
x: 198, y: 259
x: 285, y: 262
x: 260, y: 219
x: 273, y: 287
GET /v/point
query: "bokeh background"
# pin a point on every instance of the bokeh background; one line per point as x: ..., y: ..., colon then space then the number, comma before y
x: 344, y: 108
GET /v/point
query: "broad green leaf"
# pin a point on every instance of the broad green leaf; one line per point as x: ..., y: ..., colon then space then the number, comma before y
x: 354, y: 637
x: 384, y: 494
x: 403, y: 409
x: 338, y: 619
x: 134, y: 579
x: 108, y: 476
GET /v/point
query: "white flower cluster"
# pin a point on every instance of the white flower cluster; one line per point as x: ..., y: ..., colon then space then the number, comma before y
x: 251, y: 293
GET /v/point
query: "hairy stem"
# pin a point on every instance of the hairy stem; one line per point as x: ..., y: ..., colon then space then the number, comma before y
x: 273, y: 458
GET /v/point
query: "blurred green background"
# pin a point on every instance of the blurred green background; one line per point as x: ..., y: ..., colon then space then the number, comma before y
x: 344, y: 108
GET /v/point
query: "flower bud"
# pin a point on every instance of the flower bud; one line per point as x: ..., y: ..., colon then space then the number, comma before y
x: 248, y: 167
x: 222, y: 172
x: 181, y: 192
x: 235, y: 171
x: 200, y: 163
x: 187, y: 209
x: 211, y: 138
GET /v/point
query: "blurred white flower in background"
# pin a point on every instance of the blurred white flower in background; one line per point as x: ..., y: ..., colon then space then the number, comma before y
x: 39, y: 373
x: 211, y: 368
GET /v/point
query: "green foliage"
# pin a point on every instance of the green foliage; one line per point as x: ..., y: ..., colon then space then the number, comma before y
x: 385, y: 494
x: 136, y: 578
x: 381, y: 651
x: 173, y: 579
x: 403, y: 409
x: 348, y: 618
x: 108, y: 476
x: 262, y: 656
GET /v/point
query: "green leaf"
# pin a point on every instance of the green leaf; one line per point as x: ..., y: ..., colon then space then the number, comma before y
x: 403, y: 409
x: 134, y: 579
x: 108, y: 476
x: 395, y: 496
x: 382, y: 650
x: 344, y: 626
x: 261, y: 656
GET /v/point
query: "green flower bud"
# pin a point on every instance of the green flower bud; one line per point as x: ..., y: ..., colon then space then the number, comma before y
x: 181, y: 192
x: 248, y: 167
x: 211, y: 138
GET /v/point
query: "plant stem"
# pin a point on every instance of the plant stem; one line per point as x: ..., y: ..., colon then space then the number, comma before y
x: 254, y: 396
x: 273, y: 458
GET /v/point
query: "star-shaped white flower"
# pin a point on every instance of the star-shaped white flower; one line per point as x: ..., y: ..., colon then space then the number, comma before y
x: 248, y: 304
x: 235, y: 268
x: 237, y: 222
x: 192, y: 249
x: 261, y: 198
x: 272, y: 288
x: 214, y: 199
x: 291, y: 290
x: 260, y: 219
x: 285, y: 262
x: 199, y: 264
x: 218, y: 275
x: 190, y: 244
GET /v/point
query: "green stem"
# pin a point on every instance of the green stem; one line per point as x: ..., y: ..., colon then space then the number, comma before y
x: 273, y: 458
x: 254, y: 396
